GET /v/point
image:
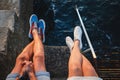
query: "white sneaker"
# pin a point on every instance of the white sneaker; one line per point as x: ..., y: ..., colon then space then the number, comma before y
x: 78, y: 35
x: 69, y: 42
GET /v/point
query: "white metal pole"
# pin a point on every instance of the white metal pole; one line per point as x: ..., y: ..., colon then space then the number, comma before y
x: 87, y: 37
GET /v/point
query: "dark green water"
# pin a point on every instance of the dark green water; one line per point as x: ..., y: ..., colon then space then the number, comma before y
x: 101, y: 18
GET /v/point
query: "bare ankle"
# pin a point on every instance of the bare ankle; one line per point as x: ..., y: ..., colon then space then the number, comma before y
x: 34, y: 31
x: 77, y: 42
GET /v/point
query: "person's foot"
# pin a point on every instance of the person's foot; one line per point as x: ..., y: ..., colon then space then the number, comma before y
x: 41, y: 29
x: 69, y: 42
x: 33, y: 24
x: 78, y: 35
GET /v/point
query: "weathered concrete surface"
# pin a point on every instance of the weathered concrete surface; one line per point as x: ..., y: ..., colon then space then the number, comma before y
x: 4, y: 5
x: 4, y: 32
x: 7, y: 19
x: 56, y: 60
x: 10, y: 5
x: 14, y: 18
x: 8, y: 30
x: 21, y: 7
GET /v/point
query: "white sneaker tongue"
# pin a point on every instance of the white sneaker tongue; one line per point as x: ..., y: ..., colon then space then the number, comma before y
x: 78, y: 35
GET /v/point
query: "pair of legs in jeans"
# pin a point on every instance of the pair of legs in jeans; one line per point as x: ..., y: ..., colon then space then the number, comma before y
x: 79, y: 67
x: 35, y: 49
x: 32, y: 59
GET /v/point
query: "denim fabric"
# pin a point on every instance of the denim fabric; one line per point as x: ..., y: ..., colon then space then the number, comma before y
x: 84, y: 78
x: 42, y: 75
x: 12, y: 76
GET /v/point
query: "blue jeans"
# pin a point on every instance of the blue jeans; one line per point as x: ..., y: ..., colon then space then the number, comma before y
x: 84, y: 78
x: 39, y: 75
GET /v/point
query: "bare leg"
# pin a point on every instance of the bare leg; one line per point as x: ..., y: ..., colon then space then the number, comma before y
x: 78, y: 64
x: 38, y: 59
x: 88, y: 69
x: 25, y: 55
x: 75, y: 61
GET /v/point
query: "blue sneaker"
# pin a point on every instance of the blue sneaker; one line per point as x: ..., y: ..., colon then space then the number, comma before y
x: 41, y: 29
x: 33, y: 24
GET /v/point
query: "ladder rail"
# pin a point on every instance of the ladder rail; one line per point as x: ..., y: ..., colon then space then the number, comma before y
x: 86, y: 34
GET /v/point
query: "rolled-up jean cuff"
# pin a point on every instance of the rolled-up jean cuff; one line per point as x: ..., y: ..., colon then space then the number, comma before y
x: 12, y: 76
x: 42, y: 73
x: 84, y: 78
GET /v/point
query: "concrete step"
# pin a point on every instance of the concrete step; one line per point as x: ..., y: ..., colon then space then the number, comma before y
x: 4, y: 32
x: 109, y: 73
x: 11, y: 40
x: 7, y: 19
x: 7, y: 27
x: 10, y: 5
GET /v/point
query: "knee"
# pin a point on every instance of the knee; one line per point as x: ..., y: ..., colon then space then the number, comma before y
x: 22, y: 58
x: 75, y: 68
x: 39, y: 56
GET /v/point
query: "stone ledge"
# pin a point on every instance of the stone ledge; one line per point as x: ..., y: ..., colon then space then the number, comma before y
x: 4, y: 33
x: 8, y: 26
x: 10, y: 5
x: 7, y: 19
x: 57, y: 56
x: 5, y: 5
x: 7, y: 23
